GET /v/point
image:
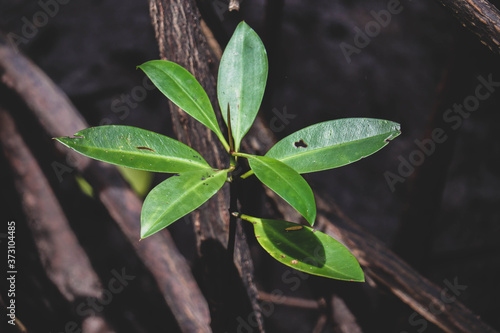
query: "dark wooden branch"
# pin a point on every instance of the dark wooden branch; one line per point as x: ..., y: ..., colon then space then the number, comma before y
x: 59, y: 118
x: 320, y: 323
x: 480, y: 17
x: 387, y: 269
x: 181, y: 40
x: 343, y: 317
x: 292, y: 301
x: 64, y: 260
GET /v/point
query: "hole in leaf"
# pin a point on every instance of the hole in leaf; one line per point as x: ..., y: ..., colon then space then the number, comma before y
x: 300, y: 143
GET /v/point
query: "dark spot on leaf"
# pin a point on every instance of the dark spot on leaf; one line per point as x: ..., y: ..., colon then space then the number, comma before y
x: 300, y: 143
x: 282, y: 256
x: 257, y: 236
x: 203, y: 178
x: 145, y: 148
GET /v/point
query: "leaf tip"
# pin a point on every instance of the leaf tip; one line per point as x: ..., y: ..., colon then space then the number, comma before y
x: 359, y: 279
x: 145, y: 233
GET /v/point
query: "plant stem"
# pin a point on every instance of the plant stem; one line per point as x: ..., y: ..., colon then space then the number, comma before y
x: 247, y: 174
x: 233, y: 207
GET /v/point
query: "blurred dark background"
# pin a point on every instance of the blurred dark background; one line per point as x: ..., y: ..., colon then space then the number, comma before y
x: 442, y: 215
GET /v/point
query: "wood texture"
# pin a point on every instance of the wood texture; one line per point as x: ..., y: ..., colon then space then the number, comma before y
x: 64, y: 260
x: 59, y: 118
x: 480, y: 17
x: 181, y: 40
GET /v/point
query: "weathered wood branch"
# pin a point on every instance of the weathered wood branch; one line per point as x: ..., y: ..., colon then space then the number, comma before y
x: 387, y: 269
x: 479, y: 16
x: 60, y: 118
x: 181, y: 40
x: 64, y: 260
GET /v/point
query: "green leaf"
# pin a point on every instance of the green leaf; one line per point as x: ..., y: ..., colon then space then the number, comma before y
x: 334, y: 143
x: 306, y: 249
x: 242, y: 80
x: 135, y: 148
x: 182, y: 88
x: 85, y: 187
x: 286, y: 182
x: 178, y: 196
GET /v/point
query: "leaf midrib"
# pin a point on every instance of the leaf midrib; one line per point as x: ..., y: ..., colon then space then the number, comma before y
x: 330, y: 268
x: 179, y: 198
x: 207, y: 118
x: 137, y: 154
x: 312, y: 151
x: 239, y: 104
x: 282, y: 238
x: 291, y: 184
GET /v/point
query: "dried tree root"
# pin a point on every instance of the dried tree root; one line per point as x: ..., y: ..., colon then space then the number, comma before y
x: 480, y: 17
x: 64, y: 260
x: 60, y: 118
x: 181, y: 40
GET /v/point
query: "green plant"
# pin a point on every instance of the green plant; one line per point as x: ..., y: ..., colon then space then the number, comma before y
x: 241, y: 83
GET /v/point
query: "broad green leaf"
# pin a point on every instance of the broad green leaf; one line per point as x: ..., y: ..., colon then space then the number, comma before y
x: 182, y: 88
x: 334, y: 143
x: 178, y: 196
x: 306, y: 249
x: 286, y: 182
x: 242, y: 80
x: 135, y: 148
